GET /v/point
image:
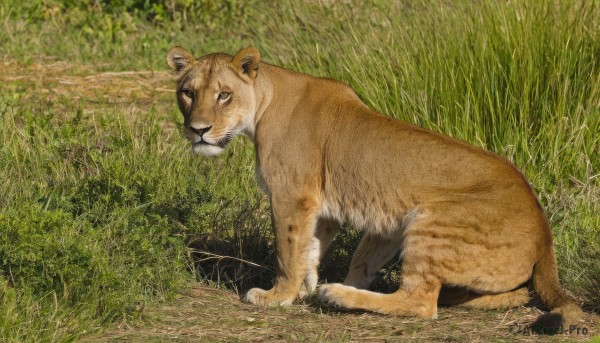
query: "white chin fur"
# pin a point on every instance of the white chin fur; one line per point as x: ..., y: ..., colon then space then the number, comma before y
x: 207, y: 150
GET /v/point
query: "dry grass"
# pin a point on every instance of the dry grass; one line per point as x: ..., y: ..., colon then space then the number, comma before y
x: 54, y: 82
x: 206, y: 314
x: 92, y: 89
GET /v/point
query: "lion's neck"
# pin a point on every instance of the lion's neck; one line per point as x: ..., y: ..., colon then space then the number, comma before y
x: 263, y: 92
x: 272, y: 86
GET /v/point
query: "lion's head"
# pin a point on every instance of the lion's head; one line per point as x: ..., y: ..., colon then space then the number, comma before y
x: 216, y: 96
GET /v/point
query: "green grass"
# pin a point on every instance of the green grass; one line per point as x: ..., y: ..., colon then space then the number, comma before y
x: 103, y: 212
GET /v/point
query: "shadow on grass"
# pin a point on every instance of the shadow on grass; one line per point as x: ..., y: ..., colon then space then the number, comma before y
x: 241, y: 259
x: 238, y: 263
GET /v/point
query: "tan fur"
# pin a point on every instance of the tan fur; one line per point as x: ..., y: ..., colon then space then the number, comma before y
x: 460, y: 216
x: 465, y: 297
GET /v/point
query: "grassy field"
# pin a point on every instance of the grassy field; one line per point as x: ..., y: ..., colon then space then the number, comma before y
x: 106, y: 217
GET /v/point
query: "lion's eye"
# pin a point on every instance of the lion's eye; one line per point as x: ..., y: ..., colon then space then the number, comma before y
x: 223, y: 96
x: 188, y: 93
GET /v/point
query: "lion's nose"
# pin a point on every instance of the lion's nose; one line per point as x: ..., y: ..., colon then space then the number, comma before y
x: 200, y: 131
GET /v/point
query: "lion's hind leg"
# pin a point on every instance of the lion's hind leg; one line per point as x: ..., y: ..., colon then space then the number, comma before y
x: 372, y: 253
x: 417, y: 295
x: 464, y: 297
x: 420, y: 285
x: 420, y: 301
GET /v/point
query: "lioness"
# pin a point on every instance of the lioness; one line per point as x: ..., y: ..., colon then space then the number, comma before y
x: 467, y: 224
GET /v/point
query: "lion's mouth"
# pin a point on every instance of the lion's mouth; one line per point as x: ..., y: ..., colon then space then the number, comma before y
x: 222, y: 143
x: 225, y: 140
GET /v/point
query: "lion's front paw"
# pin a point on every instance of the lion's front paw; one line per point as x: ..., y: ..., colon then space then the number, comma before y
x: 258, y: 296
x: 335, y: 294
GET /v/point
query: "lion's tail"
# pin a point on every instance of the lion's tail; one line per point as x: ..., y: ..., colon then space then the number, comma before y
x: 564, y: 310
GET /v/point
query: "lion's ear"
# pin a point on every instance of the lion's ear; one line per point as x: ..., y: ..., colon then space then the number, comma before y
x: 179, y: 59
x: 245, y: 63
